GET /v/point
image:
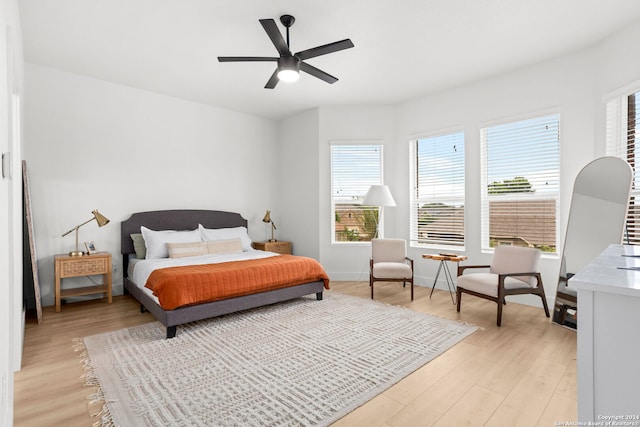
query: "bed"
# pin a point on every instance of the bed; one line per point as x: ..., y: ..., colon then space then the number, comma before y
x: 183, y: 220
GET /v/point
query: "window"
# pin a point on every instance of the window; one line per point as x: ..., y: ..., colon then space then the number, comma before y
x: 354, y: 168
x: 520, y: 183
x: 437, y: 196
x: 623, y: 122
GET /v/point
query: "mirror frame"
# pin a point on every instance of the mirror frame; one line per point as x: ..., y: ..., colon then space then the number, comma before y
x: 597, y: 218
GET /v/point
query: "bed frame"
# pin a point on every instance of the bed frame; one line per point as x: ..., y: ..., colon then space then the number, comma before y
x: 189, y: 220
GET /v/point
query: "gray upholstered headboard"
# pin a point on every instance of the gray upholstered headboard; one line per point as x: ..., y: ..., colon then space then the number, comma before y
x: 173, y: 220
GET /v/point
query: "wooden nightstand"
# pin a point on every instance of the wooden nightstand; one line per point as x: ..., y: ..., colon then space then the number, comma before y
x: 88, y: 265
x: 280, y: 247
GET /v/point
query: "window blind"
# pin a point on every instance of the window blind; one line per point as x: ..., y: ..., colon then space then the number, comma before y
x: 520, y: 183
x: 437, y: 202
x: 354, y: 168
x: 623, y: 121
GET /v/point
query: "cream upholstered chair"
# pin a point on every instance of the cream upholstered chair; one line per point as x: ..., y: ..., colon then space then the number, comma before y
x: 513, y: 271
x: 389, y: 263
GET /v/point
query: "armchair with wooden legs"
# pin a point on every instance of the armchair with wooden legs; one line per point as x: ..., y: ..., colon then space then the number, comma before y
x: 389, y: 263
x: 513, y: 271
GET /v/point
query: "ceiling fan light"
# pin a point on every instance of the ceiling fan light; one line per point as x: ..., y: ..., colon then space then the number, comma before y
x: 288, y: 75
x: 288, y: 68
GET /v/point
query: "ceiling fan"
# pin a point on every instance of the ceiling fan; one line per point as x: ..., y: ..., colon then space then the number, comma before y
x: 290, y: 65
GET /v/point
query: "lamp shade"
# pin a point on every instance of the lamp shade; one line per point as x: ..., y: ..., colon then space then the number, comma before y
x: 267, y: 217
x: 378, y: 195
x: 100, y: 219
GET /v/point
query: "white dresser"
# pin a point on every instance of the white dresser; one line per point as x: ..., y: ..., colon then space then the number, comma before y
x: 609, y: 337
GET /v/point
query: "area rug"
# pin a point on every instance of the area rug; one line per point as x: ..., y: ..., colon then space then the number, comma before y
x: 298, y: 363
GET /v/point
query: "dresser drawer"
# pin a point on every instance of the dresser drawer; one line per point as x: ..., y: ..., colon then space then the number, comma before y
x: 83, y: 267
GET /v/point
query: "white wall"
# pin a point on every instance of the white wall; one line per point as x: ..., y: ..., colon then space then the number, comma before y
x: 618, y: 65
x: 11, y: 325
x: 297, y: 213
x: 96, y: 145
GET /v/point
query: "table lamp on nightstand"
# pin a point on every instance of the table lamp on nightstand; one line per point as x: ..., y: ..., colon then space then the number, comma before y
x: 267, y: 219
x: 100, y: 219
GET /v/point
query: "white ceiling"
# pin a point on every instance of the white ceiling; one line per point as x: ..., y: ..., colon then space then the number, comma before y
x: 403, y: 49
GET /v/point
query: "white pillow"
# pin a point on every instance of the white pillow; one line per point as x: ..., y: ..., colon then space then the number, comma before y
x: 156, y: 241
x: 212, y: 234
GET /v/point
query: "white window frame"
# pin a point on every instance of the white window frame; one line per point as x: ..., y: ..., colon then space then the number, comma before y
x: 617, y: 144
x: 359, y: 192
x: 553, y: 180
x: 457, y: 137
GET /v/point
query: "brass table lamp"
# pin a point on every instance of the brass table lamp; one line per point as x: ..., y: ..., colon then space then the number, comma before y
x: 267, y: 219
x: 100, y: 219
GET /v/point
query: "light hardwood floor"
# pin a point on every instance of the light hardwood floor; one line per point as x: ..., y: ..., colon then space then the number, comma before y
x: 521, y: 374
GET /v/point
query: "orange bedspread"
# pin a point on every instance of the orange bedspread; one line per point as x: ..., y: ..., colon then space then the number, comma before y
x: 179, y: 286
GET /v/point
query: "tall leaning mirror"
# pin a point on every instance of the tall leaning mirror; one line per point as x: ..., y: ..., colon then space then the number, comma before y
x: 596, y: 219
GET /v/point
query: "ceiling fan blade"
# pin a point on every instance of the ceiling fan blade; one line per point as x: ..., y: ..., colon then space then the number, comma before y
x: 275, y: 35
x: 246, y: 59
x: 310, y: 69
x: 273, y: 81
x: 325, y: 49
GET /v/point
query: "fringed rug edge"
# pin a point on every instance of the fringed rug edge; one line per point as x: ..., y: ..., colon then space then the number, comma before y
x: 90, y: 379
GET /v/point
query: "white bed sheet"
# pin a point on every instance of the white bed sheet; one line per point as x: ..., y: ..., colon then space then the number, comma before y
x: 141, y: 269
